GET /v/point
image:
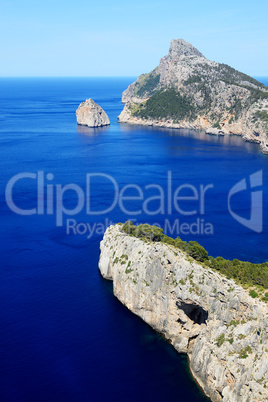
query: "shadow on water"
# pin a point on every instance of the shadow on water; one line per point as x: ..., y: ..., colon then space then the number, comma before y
x: 91, y: 131
x: 227, y: 139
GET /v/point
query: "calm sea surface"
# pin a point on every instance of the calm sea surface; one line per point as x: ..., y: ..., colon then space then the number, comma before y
x: 64, y: 336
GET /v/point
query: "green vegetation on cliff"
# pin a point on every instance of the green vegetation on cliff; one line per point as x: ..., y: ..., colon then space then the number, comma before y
x: 166, y: 104
x: 146, y: 84
x: 262, y: 114
x: 232, y: 76
x: 243, y: 272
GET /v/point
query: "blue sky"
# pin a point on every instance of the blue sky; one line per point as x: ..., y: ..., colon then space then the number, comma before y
x: 121, y: 38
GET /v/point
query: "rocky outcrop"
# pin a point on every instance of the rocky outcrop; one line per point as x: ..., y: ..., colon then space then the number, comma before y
x: 221, y: 328
x: 91, y: 114
x: 219, y: 99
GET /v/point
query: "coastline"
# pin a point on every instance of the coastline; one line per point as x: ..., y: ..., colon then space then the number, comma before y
x: 216, y: 133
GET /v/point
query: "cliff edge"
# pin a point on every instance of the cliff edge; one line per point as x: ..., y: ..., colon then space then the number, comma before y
x: 221, y: 328
x: 187, y: 90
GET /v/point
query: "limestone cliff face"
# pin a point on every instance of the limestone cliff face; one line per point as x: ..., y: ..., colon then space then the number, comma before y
x: 221, y: 328
x: 91, y: 114
x: 222, y: 100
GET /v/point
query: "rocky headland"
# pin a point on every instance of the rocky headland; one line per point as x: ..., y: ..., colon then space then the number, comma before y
x: 187, y: 90
x: 221, y: 328
x: 90, y: 114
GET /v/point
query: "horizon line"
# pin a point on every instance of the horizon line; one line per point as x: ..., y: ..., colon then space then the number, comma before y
x: 69, y: 76
x: 93, y: 76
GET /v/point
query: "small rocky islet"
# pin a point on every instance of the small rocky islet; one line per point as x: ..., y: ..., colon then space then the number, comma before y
x: 90, y: 114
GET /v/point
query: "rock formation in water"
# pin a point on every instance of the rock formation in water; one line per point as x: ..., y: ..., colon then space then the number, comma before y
x: 91, y: 114
x: 221, y: 328
x: 187, y: 90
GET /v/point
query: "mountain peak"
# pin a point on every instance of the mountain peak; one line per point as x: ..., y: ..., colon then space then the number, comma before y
x: 179, y: 47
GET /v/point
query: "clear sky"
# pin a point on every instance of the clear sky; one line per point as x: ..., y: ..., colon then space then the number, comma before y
x: 127, y: 38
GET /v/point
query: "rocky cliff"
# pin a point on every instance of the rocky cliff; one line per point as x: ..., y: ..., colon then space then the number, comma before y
x: 220, y: 327
x: 91, y: 114
x: 187, y: 90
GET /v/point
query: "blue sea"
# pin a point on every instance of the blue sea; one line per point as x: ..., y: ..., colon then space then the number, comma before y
x: 64, y: 336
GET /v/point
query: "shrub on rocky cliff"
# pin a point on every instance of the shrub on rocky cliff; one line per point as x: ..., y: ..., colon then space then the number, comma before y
x: 152, y: 233
x: 244, y: 272
x: 196, y: 251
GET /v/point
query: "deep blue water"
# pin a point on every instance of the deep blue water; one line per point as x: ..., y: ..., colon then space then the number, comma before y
x: 64, y: 336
